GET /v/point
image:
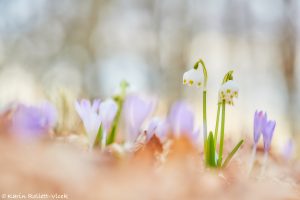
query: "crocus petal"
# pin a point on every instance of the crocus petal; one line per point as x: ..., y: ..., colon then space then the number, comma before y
x: 108, y: 110
x: 89, y: 114
x: 135, y: 112
x: 181, y: 119
x: 267, y: 132
x: 95, y: 105
x: 260, y: 119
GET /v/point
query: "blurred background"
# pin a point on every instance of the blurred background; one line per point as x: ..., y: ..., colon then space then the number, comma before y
x: 66, y: 49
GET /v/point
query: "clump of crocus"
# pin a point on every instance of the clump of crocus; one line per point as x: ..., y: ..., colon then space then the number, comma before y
x: 33, y: 121
x: 227, y: 93
x: 97, y: 118
x: 265, y: 128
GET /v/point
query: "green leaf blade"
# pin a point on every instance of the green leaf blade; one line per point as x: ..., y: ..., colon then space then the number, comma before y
x: 232, y: 153
x: 210, y: 153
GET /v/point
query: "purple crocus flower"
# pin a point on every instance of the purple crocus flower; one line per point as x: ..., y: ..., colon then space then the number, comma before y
x: 90, y: 116
x: 181, y: 119
x: 268, y: 131
x: 260, y: 119
x: 266, y: 128
x: 135, y: 111
x: 32, y: 121
x: 108, y: 111
x: 95, y: 114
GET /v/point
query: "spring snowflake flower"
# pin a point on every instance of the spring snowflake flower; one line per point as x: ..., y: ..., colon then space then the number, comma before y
x: 193, y: 77
x: 228, y: 91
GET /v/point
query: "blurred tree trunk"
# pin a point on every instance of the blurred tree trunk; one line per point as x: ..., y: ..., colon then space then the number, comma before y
x: 171, y: 33
x: 287, y: 50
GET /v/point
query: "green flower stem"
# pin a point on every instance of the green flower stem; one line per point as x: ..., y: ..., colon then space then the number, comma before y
x: 112, y: 135
x: 99, y: 136
x: 204, y: 119
x: 222, y: 135
x: 217, y: 123
x: 120, y: 101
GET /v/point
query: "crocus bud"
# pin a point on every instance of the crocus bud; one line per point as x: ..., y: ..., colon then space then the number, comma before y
x: 260, y: 120
x: 228, y: 91
x: 267, y: 132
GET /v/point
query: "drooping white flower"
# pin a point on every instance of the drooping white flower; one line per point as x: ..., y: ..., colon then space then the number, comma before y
x: 193, y: 77
x: 228, y: 91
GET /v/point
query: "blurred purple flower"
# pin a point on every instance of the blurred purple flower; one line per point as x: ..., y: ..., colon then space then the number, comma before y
x: 260, y: 119
x: 268, y: 131
x: 135, y: 111
x: 181, y: 120
x: 90, y: 116
x: 31, y: 121
x: 288, y: 149
x: 158, y: 127
x: 108, y: 110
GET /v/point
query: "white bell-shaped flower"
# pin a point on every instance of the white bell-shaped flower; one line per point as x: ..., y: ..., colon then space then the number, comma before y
x: 228, y: 91
x: 193, y: 77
